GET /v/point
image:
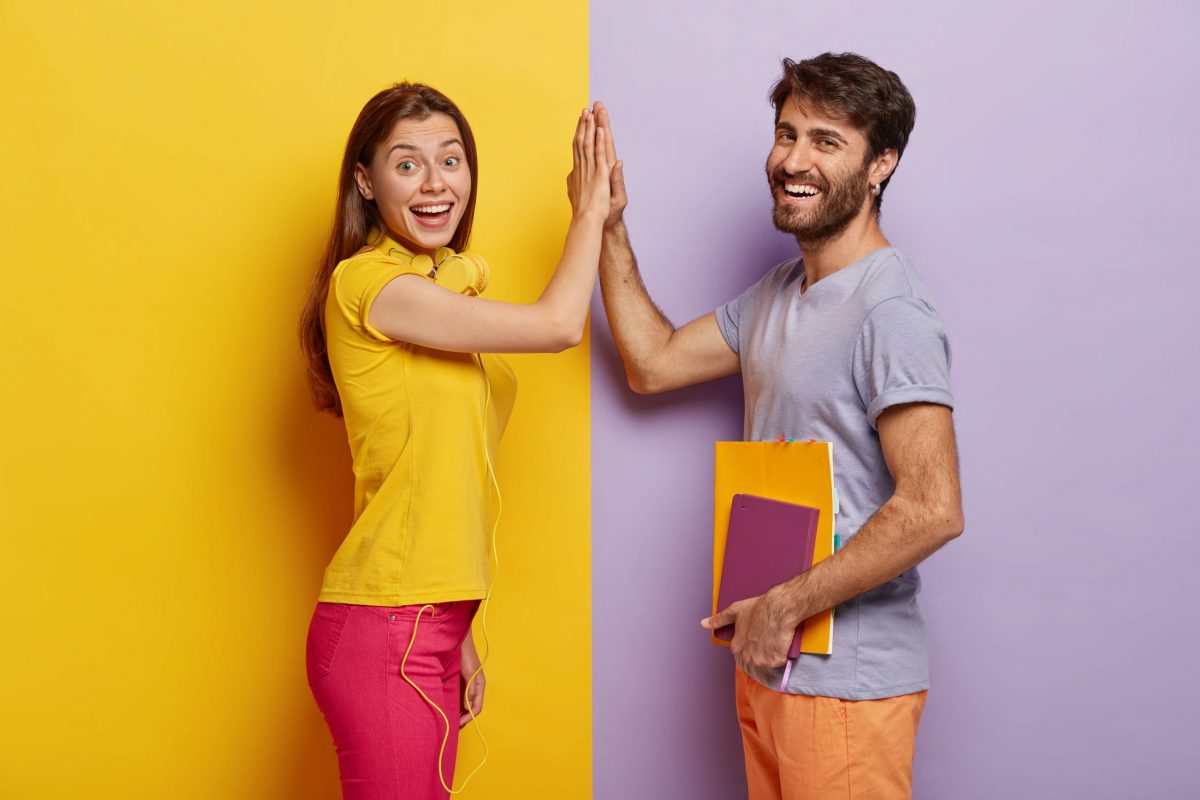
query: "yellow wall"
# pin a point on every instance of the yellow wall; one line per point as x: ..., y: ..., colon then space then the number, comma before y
x: 167, y: 499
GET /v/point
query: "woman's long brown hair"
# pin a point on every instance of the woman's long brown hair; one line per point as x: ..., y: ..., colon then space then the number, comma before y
x: 356, y: 216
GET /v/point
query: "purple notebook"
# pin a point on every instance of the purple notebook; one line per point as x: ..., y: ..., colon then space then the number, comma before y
x: 769, y: 542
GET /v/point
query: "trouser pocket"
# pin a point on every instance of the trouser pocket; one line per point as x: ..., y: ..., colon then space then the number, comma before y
x: 324, y: 635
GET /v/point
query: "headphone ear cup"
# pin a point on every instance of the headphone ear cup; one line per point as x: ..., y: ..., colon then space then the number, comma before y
x: 463, y: 273
x: 481, y: 271
x: 423, y: 264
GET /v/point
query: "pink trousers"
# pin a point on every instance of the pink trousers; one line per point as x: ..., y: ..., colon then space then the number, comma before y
x: 387, y: 737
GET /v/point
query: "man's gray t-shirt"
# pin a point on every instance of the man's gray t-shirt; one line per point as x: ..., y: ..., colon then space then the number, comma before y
x: 824, y: 365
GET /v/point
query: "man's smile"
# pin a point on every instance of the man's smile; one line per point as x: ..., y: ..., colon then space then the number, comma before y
x: 796, y: 189
x: 801, y: 190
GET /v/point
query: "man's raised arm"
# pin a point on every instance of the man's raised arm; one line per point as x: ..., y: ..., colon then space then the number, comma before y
x: 658, y: 356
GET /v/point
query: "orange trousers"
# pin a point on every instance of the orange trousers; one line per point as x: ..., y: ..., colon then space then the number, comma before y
x: 800, y: 747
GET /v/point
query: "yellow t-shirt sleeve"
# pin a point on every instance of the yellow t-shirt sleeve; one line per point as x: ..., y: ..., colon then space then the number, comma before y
x: 358, y: 281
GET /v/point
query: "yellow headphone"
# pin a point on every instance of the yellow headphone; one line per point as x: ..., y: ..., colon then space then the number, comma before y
x: 461, y: 273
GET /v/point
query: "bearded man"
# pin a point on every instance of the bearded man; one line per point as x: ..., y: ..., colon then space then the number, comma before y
x: 839, y: 344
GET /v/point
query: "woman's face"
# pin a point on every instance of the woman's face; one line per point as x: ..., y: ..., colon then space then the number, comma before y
x: 420, y: 181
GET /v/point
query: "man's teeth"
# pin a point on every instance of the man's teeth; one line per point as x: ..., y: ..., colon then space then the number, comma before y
x: 432, y: 209
x: 800, y: 190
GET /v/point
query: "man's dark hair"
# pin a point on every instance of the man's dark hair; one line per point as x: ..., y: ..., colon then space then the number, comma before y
x: 848, y: 86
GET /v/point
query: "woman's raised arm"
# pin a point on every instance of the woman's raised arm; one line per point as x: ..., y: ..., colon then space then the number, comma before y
x: 414, y: 309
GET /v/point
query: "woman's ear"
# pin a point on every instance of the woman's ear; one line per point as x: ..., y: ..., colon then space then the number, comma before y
x: 363, y: 179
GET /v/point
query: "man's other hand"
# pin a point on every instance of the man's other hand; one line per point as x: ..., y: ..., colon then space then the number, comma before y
x: 763, y: 629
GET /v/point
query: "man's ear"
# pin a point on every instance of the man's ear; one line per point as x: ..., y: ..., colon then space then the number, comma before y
x: 363, y: 179
x: 883, y: 166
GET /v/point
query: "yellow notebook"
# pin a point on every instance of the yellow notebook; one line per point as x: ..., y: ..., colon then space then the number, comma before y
x: 795, y: 472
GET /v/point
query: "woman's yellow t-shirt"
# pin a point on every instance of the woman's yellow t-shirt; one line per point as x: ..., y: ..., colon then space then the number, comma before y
x: 418, y: 421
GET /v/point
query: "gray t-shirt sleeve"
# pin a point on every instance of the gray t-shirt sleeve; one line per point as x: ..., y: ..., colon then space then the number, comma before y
x: 902, y: 356
x: 729, y: 318
x: 736, y: 314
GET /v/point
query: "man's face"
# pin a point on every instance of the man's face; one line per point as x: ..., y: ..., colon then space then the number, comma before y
x: 817, y: 174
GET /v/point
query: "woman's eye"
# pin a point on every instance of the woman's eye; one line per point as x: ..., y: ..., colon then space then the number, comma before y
x: 406, y: 166
x: 452, y: 161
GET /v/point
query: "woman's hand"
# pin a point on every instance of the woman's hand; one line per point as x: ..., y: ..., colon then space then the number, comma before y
x: 588, y: 183
x: 472, y: 695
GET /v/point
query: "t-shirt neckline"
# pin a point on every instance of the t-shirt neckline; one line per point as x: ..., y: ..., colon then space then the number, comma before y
x: 834, y: 281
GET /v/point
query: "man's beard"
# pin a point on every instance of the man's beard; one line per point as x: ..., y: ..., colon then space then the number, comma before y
x: 840, y: 202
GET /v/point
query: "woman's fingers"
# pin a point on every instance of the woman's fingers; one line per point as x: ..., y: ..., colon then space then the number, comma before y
x: 589, y: 141
x: 588, y: 183
x: 473, y: 701
x: 580, y: 128
x: 477, y: 699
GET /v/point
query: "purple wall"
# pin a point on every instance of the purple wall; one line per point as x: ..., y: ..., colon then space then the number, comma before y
x: 1049, y: 200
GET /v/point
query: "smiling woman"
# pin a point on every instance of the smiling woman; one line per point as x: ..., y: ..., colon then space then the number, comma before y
x: 399, y: 343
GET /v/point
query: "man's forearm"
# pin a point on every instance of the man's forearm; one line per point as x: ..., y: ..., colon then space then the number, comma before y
x: 638, y: 326
x: 923, y: 513
x: 900, y: 535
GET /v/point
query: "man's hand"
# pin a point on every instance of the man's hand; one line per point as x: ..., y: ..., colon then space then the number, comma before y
x: 617, y: 199
x: 657, y: 356
x: 763, y: 629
